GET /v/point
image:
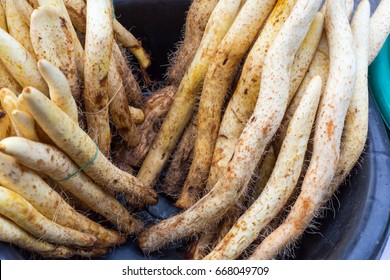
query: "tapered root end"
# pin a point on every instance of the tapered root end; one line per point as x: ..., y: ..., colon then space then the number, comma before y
x: 144, y: 242
x: 27, y: 90
x: 149, y: 197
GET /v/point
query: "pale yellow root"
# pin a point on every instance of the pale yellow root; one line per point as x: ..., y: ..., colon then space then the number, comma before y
x: 119, y: 108
x: 17, y: 27
x: 5, y: 125
x: 22, y: 105
x: 3, y: 20
x: 48, y: 202
x: 132, y: 88
x: 51, y: 161
x: 130, y: 42
x: 20, y: 63
x: 215, y: 88
x: 182, y: 108
x: 379, y: 29
x: 59, y: 88
x: 266, y: 167
x: 21, y: 212
x: 9, y: 105
x: 180, y: 164
x: 25, y: 10
x: 258, y: 132
x: 81, y: 149
x: 196, y: 21
x: 137, y: 115
x: 281, y: 184
x: 328, y: 130
x: 98, y: 45
x: 7, y: 80
x: 12, y: 233
x: 57, y: 47
x: 244, y: 98
x: 26, y: 124
x: 305, y: 54
x: 263, y: 174
x: 21, y: 120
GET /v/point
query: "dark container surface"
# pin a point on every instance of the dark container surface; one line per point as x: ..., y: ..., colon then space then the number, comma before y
x: 357, y: 228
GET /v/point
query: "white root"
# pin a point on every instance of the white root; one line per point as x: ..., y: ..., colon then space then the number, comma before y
x: 356, y: 122
x: 258, y: 132
x: 81, y: 149
x: 60, y: 5
x: 22, y: 213
x: 52, y: 40
x: 7, y: 80
x: 26, y: 124
x: 379, y: 29
x: 326, y: 144
x: 281, y: 184
x: 59, y: 88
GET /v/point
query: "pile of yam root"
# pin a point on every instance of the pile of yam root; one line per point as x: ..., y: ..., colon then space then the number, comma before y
x: 262, y: 115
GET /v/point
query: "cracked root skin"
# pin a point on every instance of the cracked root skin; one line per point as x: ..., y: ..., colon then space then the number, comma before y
x: 98, y: 49
x: 156, y: 108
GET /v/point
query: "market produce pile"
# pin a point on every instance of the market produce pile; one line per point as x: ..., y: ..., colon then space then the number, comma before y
x: 262, y: 115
